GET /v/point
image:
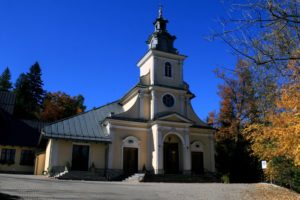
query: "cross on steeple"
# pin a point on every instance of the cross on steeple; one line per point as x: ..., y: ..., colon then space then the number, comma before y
x: 160, y: 39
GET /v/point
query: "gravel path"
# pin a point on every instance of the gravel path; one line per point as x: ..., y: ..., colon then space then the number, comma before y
x: 38, y: 187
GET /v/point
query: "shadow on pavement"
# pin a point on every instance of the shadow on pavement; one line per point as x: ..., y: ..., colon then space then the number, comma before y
x: 8, y: 197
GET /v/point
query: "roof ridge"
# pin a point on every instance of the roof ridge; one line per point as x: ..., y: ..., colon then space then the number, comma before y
x: 93, y: 109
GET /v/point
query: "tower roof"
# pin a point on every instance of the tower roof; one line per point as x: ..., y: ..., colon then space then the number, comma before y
x: 160, y: 39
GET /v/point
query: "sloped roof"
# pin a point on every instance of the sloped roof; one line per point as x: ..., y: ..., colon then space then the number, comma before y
x: 84, y: 126
x: 15, y: 132
x: 7, y: 101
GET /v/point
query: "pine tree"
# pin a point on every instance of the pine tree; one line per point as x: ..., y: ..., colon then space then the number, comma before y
x: 36, y: 85
x: 30, y: 93
x: 23, y: 106
x: 5, y: 84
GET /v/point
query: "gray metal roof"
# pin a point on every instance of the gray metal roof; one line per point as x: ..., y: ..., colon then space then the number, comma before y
x: 7, y: 101
x: 85, y: 126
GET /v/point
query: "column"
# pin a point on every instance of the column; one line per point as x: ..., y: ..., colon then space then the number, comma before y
x: 153, y: 104
x: 141, y: 101
x: 187, y: 154
x: 157, y: 150
x: 110, y: 147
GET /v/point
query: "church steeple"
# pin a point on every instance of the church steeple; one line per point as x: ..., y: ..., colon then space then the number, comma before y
x: 160, y: 39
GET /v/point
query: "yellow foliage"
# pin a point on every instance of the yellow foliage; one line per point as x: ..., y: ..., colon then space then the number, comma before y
x: 281, y: 136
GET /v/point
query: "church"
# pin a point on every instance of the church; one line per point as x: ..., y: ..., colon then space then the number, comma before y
x: 152, y: 128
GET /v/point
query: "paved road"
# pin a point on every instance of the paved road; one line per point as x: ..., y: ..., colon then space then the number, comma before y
x: 38, y: 187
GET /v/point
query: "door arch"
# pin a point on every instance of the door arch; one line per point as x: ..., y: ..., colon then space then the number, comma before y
x: 172, y: 153
x: 130, y: 155
x: 197, y: 158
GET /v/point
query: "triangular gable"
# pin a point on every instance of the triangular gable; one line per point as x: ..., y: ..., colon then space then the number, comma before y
x: 174, y: 117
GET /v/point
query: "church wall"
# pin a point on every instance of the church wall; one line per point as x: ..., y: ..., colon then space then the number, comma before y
x: 147, y: 108
x: 39, y: 164
x: 119, y: 136
x: 160, y: 78
x: 16, y: 167
x: 133, y: 111
x: 96, y: 153
x: 145, y: 68
x: 208, y: 148
x: 47, y: 155
x: 161, y: 107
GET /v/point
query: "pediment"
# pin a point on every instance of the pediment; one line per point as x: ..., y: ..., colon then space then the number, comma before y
x: 174, y: 117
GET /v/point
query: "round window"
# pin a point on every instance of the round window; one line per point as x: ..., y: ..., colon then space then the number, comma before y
x: 168, y: 100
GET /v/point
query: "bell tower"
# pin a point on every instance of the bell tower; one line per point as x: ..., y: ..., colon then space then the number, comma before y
x: 161, y: 69
x: 162, y: 65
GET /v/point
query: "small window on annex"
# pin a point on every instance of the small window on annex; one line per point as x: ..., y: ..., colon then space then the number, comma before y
x: 168, y: 69
x: 7, y: 156
x: 27, y: 157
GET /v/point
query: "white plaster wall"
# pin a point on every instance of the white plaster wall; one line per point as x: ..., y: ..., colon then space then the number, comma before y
x: 119, y: 135
x: 48, y: 155
x: 159, y: 72
x: 208, y: 148
x: 145, y: 68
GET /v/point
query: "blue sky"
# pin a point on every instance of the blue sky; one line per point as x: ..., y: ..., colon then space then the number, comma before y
x: 91, y: 47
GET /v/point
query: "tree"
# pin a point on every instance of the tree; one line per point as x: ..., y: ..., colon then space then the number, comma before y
x: 29, y: 93
x: 277, y: 139
x: 60, y: 105
x: 5, y: 84
x: 36, y: 85
x: 238, y: 108
x: 266, y: 32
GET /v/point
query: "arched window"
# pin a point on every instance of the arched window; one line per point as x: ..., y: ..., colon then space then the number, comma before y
x: 168, y: 69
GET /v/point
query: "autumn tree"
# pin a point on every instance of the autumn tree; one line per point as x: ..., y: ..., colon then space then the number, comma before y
x: 29, y: 93
x: 277, y: 139
x: 266, y: 34
x: 5, y: 82
x: 59, y: 105
x: 238, y: 108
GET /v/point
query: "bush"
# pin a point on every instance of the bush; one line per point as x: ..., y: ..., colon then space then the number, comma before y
x: 225, y: 178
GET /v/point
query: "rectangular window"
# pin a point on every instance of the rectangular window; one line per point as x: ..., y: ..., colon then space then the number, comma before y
x: 7, y: 156
x: 27, y: 157
x: 168, y: 70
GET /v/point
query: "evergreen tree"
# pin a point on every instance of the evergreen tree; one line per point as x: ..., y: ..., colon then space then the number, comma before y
x: 29, y: 93
x: 36, y: 86
x: 23, y: 106
x: 5, y: 84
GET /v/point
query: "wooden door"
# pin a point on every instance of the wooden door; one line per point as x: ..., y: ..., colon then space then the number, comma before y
x: 130, y: 160
x: 197, y: 162
x: 171, y: 158
x: 80, y: 157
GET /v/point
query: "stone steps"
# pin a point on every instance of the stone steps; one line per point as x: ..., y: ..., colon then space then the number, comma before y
x: 180, y: 178
x: 82, y: 175
x: 136, y: 178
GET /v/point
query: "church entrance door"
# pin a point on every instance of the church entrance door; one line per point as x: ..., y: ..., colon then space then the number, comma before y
x: 130, y: 160
x: 80, y: 157
x: 197, y: 162
x: 171, y: 158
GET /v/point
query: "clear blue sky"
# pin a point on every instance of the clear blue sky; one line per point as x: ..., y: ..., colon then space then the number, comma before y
x: 91, y: 47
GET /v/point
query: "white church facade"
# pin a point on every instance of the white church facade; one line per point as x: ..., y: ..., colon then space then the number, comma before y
x: 152, y: 127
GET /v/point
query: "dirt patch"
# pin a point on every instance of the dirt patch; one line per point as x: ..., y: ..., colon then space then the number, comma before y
x: 265, y: 191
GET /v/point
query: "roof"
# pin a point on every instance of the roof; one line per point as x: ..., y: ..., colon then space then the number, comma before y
x: 7, y: 101
x: 15, y: 132
x: 84, y: 126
